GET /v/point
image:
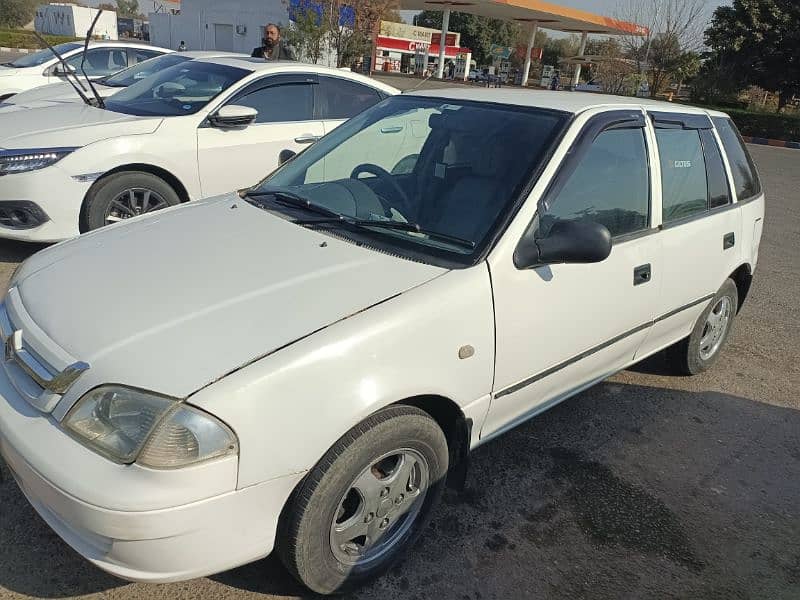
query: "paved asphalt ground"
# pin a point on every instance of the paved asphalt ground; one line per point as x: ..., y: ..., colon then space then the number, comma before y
x: 645, y: 486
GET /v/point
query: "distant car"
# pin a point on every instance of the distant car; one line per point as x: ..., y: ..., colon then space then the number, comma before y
x: 473, y: 74
x: 199, y: 128
x: 57, y: 93
x: 102, y: 59
x: 592, y: 85
x: 301, y: 367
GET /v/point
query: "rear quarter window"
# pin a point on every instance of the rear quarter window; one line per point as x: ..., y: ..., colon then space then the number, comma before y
x: 745, y: 176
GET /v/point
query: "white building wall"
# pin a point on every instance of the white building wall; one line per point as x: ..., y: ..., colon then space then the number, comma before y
x: 241, y: 25
x: 72, y: 20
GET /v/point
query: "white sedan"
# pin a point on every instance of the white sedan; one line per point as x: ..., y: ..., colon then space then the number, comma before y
x: 197, y: 129
x: 63, y: 91
x: 103, y: 58
x: 301, y: 366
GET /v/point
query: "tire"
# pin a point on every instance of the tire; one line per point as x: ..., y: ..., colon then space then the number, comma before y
x: 150, y: 193
x: 332, y: 498
x: 696, y: 353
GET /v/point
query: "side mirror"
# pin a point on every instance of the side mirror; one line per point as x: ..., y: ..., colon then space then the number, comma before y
x: 60, y: 70
x: 567, y: 242
x: 233, y: 115
x: 286, y: 155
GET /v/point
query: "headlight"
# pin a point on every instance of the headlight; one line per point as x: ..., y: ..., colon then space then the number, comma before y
x: 20, y: 161
x: 130, y: 425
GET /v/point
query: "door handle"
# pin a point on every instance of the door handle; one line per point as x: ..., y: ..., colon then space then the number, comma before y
x: 728, y: 241
x: 642, y: 274
x: 306, y: 138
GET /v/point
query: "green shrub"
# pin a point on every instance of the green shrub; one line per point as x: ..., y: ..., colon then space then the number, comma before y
x: 777, y: 126
x: 20, y: 38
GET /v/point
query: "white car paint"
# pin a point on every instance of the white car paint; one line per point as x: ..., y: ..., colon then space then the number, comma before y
x: 62, y: 92
x: 292, y: 336
x: 16, y: 80
x: 205, y: 161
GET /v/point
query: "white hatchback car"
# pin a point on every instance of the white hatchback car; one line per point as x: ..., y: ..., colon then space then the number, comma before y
x: 61, y: 92
x: 196, y: 129
x: 303, y: 365
x: 103, y: 58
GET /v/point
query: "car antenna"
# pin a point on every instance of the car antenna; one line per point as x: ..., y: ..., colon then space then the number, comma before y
x: 97, y: 96
x: 67, y: 70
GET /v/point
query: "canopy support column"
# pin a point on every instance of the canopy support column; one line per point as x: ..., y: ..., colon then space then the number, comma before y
x: 443, y: 43
x: 576, y: 77
x: 531, y: 41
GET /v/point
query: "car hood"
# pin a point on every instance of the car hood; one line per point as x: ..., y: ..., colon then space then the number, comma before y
x: 54, y: 94
x: 174, y: 301
x: 68, y: 124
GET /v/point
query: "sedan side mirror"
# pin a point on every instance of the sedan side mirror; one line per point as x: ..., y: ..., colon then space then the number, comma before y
x: 286, y: 155
x: 566, y: 242
x: 60, y: 70
x: 233, y: 115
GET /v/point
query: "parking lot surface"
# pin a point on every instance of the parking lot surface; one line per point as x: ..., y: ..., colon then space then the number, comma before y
x: 645, y: 486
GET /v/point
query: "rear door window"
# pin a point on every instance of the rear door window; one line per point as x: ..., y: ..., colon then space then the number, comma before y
x: 341, y: 99
x: 719, y: 192
x: 745, y: 176
x: 684, y: 189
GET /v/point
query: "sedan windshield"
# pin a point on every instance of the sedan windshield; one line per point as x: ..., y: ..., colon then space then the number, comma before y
x: 437, y: 177
x: 143, y: 70
x: 43, y: 56
x: 182, y: 89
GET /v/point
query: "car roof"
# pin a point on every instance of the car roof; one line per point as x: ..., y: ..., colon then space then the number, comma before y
x: 126, y: 43
x: 571, y: 102
x: 260, y: 65
x: 197, y: 54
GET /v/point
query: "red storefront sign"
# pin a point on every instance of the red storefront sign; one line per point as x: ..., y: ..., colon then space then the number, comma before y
x: 450, y: 40
x: 390, y: 43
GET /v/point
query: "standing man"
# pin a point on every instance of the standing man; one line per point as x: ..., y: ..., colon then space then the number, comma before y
x: 272, y: 46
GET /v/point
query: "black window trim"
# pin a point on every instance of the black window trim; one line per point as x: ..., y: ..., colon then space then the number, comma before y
x: 674, y: 120
x: 707, y: 137
x: 605, y: 121
x: 274, y: 80
x: 319, y: 89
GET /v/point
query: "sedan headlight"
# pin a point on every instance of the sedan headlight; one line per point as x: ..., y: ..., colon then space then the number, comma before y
x: 21, y: 161
x: 129, y: 425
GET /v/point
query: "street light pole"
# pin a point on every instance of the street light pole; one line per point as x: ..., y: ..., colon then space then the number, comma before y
x: 443, y: 42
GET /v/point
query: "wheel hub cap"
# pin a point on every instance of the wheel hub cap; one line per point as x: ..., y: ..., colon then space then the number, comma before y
x: 379, y: 507
x: 715, y: 328
x: 132, y: 203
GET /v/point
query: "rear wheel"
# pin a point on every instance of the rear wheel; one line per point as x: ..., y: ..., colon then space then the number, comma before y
x: 699, y: 351
x: 366, y: 501
x: 124, y: 195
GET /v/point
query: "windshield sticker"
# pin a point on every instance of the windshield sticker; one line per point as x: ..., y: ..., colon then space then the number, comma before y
x: 682, y: 164
x: 451, y: 107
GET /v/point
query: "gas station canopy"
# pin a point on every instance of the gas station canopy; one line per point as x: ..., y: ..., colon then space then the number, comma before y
x: 547, y: 15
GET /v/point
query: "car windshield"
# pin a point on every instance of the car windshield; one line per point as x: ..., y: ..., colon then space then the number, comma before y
x: 143, y: 70
x: 43, y: 56
x: 437, y: 176
x: 182, y: 89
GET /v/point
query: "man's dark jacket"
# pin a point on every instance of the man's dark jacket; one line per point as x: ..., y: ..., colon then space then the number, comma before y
x: 281, y: 52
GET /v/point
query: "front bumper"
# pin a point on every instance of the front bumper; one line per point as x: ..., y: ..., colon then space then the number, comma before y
x: 102, y: 509
x: 58, y: 195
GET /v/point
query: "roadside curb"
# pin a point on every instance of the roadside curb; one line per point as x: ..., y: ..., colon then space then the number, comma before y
x: 19, y: 50
x: 768, y: 142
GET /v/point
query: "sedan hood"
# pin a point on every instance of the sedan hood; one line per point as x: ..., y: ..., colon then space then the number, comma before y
x: 177, y: 300
x: 69, y: 124
x: 54, y: 94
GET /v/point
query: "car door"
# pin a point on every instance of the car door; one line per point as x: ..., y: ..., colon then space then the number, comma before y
x: 339, y: 99
x: 701, y: 235
x: 234, y: 158
x: 561, y: 327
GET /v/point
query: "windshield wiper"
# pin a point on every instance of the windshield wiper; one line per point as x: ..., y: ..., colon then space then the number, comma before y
x: 97, y: 96
x: 297, y: 201
x: 396, y: 225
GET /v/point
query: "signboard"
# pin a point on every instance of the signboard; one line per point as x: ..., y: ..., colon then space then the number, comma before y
x: 403, y: 30
x: 497, y: 51
x: 536, y: 53
x: 450, y: 40
x: 389, y: 43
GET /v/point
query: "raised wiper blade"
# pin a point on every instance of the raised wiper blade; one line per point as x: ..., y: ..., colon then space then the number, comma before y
x: 296, y: 200
x: 396, y: 225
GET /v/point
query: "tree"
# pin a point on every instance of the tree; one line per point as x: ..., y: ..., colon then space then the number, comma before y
x: 670, y: 48
x: 352, y: 24
x: 477, y: 33
x: 612, y: 69
x: 16, y: 13
x: 757, y: 42
x: 107, y: 6
x: 128, y: 8
x: 308, y: 33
